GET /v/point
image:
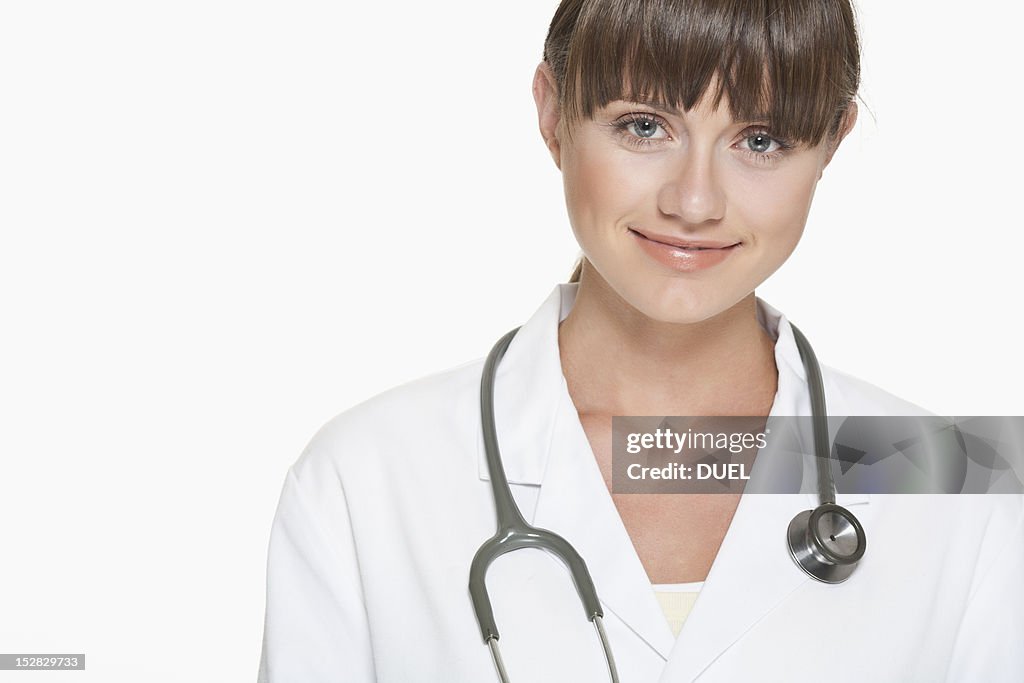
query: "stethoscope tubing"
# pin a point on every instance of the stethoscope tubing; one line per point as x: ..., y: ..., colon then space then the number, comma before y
x: 808, y: 547
x: 515, y: 533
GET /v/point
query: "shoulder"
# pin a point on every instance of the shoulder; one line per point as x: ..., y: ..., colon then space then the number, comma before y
x: 849, y: 395
x: 397, y: 423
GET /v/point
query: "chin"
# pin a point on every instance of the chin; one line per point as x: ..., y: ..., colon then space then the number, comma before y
x: 680, y: 302
x: 679, y: 314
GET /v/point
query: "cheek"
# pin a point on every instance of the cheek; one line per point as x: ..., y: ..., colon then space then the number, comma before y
x: 602, y: 188
x: 774, y: 205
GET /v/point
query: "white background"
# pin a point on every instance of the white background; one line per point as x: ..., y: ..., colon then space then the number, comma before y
x: 225, y: 222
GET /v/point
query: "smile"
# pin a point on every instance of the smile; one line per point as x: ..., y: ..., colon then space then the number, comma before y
x: 683, y: 255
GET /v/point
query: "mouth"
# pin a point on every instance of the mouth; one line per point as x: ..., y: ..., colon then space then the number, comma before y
x: 687, y: 245
x: 687, y: 256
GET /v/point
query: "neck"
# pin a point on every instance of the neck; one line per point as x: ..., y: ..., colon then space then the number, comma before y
x: 617, y: 361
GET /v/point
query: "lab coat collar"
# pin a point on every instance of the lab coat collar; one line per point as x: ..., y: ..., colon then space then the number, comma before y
x: 526, y: 388
x: 543, y: 443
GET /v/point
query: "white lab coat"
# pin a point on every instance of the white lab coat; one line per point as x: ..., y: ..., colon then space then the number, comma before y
x: 381, y: 515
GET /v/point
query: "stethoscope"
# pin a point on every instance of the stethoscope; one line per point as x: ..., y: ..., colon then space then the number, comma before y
x: 826, y: 542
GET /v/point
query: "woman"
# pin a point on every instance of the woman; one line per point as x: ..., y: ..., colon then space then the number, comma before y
x: 691, y: 135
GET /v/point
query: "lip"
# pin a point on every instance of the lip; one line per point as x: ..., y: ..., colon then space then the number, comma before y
x: 683, y: 255
x: 683, y: 244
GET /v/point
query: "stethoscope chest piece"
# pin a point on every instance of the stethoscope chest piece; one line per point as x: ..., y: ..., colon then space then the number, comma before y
x: 827, y: 542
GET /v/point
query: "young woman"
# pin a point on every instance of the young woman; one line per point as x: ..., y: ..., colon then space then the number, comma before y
x: 691, y: 135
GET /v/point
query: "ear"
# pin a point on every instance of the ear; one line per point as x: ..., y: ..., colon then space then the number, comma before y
x: 545, y: 94
x: 845, y: 126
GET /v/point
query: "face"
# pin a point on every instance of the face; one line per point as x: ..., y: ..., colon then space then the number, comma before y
x: 682, y: 214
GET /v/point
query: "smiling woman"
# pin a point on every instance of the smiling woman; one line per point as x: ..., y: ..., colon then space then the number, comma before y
x: 692, y: 190
x: 690, y: 135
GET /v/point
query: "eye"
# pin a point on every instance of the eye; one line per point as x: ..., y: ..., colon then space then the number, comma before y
x: 644, y: 128
x: 641, y: 129
x: 760, y: 147
x: 762, y: 143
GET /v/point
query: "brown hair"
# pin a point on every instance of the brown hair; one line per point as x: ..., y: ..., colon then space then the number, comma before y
x: 793, y: 63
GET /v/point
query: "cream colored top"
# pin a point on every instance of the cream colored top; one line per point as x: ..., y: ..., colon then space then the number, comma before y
x: 676, y: 600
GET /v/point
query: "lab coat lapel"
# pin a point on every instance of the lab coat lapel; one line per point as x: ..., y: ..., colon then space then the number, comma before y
x: 752, y: 576
x: 575, y: 503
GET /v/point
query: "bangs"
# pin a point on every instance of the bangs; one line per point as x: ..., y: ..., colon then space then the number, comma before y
x: 793, y: 64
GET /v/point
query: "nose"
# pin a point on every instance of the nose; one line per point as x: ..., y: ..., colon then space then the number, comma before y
x: 692, y: 191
